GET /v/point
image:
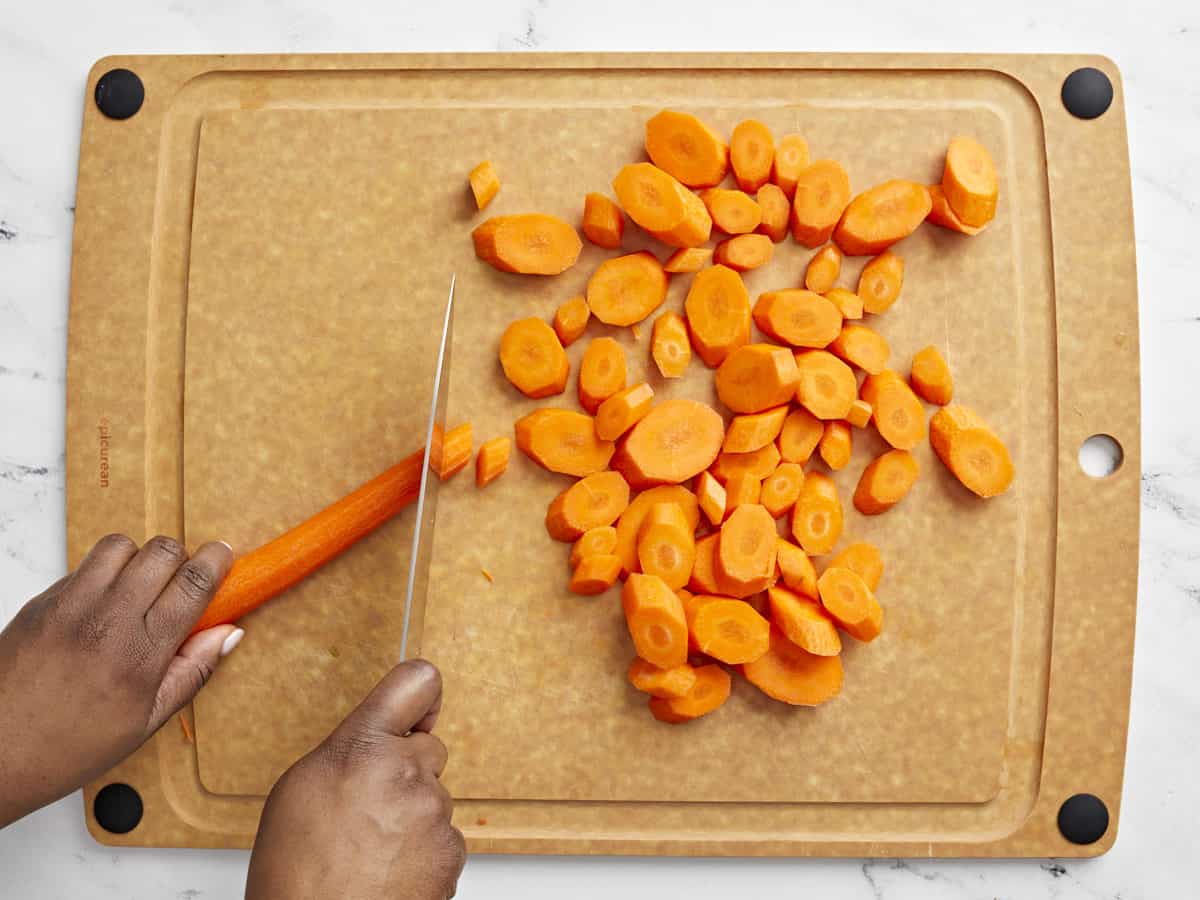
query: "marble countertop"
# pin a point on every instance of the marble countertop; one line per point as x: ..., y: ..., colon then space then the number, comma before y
x: 45, y: 51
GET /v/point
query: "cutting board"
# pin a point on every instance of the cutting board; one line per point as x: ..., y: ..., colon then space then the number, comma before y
x: 261, y: 254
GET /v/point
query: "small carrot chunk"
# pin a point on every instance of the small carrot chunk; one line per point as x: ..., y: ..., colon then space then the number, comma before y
x: 836, y: 445
x: 846, y: 597
x: 757, y: 377
x: 669, y: 345
x: 623, y: 410
x: 793, y: 675
x: 682, y: 145
x: 863, y: 347
x: 666, y: 545
x: 798, y: 438
x: 629, y: 526
x: 711, y: 689
x: 675, y: 441
x: 626, y: 289
x: 885, y: 482
x: 941, y: 214
x: 488, y: 575
x: 712, y: 497
x: 533, y: 359
x: 823, y: 269
x: 757, y: 464
x: 595, y: 500
x: 817, y: 516
x: 687, y: 259
x: 798, y: 317
x: 861, y: 558
x: 563, y: 441
x: 662, y: 206
x: 849, y: 304
x: 667, y: 683
x: 776, y: 210
x: 881, y: 216
x: 822, y: 192
x: 931, y: 377
x: 897, y: 413
x: 791, y: 158
x: 880, y: 282
x: 741, y: 490
x: 601, y: 373
x: 600, y: 540
x: 595, y: 575
x: 804, y: 622
x: 754, y: 431
x: 654, y: 616
x: 796, y: 569
x: 492, y: 460
x: 730, y: 631
x: 781, y: 488
x: 718, y: 314
x: 969, y: 181
x: 704, y: 570
x: 484, y: 183
x: 530, y: 244
x: 751, y: 154
x: 860, y: 414
x: 603, y: 223
x: 571, y: 319
x: 732, y: 211
x: 970, y: 449
x: 745, y: 561
x: 744, y: 252
x: 450, y: 452
x: 825, y: 385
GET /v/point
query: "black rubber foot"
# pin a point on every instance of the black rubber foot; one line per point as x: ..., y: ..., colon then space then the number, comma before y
x: 1087, y: 93
x: 118, y: 808
x: 1083, y: 819
x: 119, y: 94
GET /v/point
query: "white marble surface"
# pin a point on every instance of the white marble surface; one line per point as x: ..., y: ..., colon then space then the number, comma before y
x: 47, y: 47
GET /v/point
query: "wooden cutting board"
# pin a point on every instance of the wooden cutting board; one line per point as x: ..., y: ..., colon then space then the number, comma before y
x: 262, y: 254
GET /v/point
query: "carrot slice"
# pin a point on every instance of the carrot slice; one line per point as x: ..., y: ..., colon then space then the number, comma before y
x: 822, y: 192
x: 885, y: 482
x: 676, y: 440
x: 662, y: 206
x: 798, y: 438
x: 682, y: 145
x: 595, y: 574
x: 863, y: 347
x: 931, y: 377
x: 804, y: 622
x: 718, y: 314
x: 563, y: 441
x: 654, y: 615
x: 598, y: 541
x: 571, y: 319
x: 797, y: 317
x: 741, y: 490
x: 754, y: 431
x: 529, y: 244
x: 595, y: 500
x: 732, y: 211
x: 825, y: 385
x: 879, y: 217
x: 847, y: 598
x: 492, y: 460
x: 533, y: 359
x: 781, y: 488
x: 484, y: 183
x: 626, y: 289
x: 629, y: 526
x: 849, y: 304
x: 969, y: 448
x: 704, y: 570
x: 941, y: 214
x: 666, y: 546
x: 776, y: 210
x: 669, y: 345
x: 860, y: 414
x: 656, y: 682
x: 793, y: 675
x: 751, y: 153
x: 817, y: 515
x: 711, y: 689
x: 836, y: 445
x: 791, y: 158
x: 970, y: 182
x: 730, y: 631
x: 757, y: 377
x: 744, y: 252
x: 757, y: 464
x: 880, y: 282
x: 745, y: 561
x: 603, y: 223
x: 796, y: 569
x: 861, y: 558
x: 823, y: 269
x: 601, y: 373
x: 623, y: 410
x: 450, y: 451
x: 712, y: 497
x: 895, y: 409
x: 688, y: 259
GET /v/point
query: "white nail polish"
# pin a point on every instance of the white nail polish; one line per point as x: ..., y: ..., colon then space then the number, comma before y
x: 231, y: 642
x: 226, y: 545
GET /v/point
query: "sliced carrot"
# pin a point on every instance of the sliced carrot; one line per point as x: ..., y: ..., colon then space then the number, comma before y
x: 941, y: 214
x: 675, y: 441
x: 598, y: 541
x: 484, y: 183
x: 931, y: 377
x: 688, y: 259
x: 861, y: 558
x: 969, y: 448
x: 623, y: 410
x: 882, y: 215
x: 718, y: 314
x: 751, y: 154
x: 791, y: 158
x: 730, y: 631
x: 704, y: 570
x: 822, y: 192
x: 654, y: 615
x: 712, y: 497
x: 711, y: 689
x: 804, y: 622
x: 666, y: 545
x: 595, y: 575
x: 826, y: 386
x: 629, y: 526
x: 880, y: 282
x: 796, y: 569
x: 754, y: 431
x: 603, y: 223
x: 601, y: 373
x: 744, y: 252
x: 732, y: 211
x: 533, y: 359
x: 885, y: 482
x: 776, y: 211
x: 662, y: 206
x: 823, y: 269
x: 860, y: 414
x: 656, y: 682
x: 669, y: 345
x: 757, y: 377
x: 757, y: 464
x: 745, y: 562
x: 681, y: 144
x: 863, y: 347
x: 798, y: 317
x: 595, y: 500
x: 741, y: 490
x: 895, y: 409
x: 798, y: 438
x: 817, y: 515
x: 529, y: 244
x: 793, y: 675
x: 492, y: 460
x: 836, y: 445
x: 626, y: 289
x: 781, y: 488
x: 970, y: 182
x: 847, y: 598
x: 571, y: 319
x: 450, y: 451
x: 563, y: 441
x: 849, y: 304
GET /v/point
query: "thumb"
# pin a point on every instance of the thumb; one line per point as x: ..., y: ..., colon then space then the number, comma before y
x: 407, y: 699
x: 190, y: 670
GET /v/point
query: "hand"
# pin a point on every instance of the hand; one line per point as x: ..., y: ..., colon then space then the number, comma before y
x: 364, y: 814
x: 92, y: 667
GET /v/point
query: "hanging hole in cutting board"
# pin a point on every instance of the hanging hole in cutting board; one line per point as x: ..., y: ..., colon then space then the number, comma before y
x: 117, y: 808
x: 1100, y: 456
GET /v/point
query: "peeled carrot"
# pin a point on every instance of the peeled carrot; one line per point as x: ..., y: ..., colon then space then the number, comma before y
x: 797, y: 317
x: 450, y: 451
x: 885, y: 481
x: 880, y: 282
x: 626, y: 289
x: 274, y: 567
x: 563, y: 441
x: 751, y: 153
x: 712, y: 497
x: 704, y: 570
x: 847, y: 598
x: 595, y: 575
x: 623, y: 410
x: 529, y: 244
x: 484, y: 183
x: 682, y: 145
x: 718, y: 314
x: 745, y: 560
x: 571, y: 319
x: 970, y: 182
x: 533, y: 359
x: 941, y: 214
x: 666, y: 545
x: 822, y: 192
x: 817, y: 515
x: 882, y: 215
x: 895, y: 409
x: 776, y: 211
x: 754, y: 431
x: 825, y: 386
x: 662, y: 206
x: 836, y: 445
x: 744, y: 252
x: 861, y: 558
x: 711, y: 689
x: 629, y: 526
x: 598, y: 541
x: 688, y: 259
x: 740, y: 490
x: 804, y: 622
x: 757, y: 464
x: 793, y: 675
x: 603, y: 223
x: 654, y: 615
x: 801, y: 433
x: 656, y: 682
x: 969, y: 448
x: 863, y: 347
x: 730, y: 631
x: 791, y: 158
x: 669, y: 345
x: 931, y: 377
x: 860, y: 414
x: 796, y: 569
x: 595, y: 500
x: 732, y: 211
x: 781, y: 488
x: 849, y: 304
x: 823, y: 269
x: 601, y: 373
x: 675, y: 441
x: 757, y: 377
x: 492, y: 460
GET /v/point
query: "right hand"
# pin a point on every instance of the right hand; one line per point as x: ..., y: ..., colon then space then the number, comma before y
x: 364, y: 815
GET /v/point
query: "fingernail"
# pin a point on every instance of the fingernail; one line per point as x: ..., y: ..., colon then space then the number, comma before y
x: 226, y: 545
x: 231, y: 642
